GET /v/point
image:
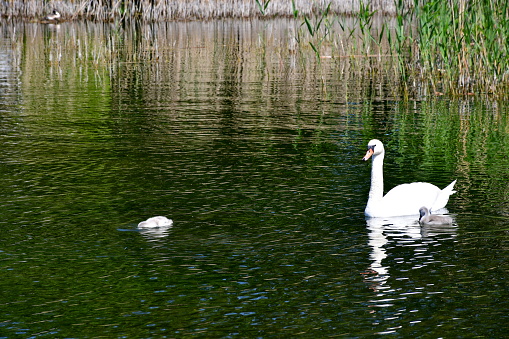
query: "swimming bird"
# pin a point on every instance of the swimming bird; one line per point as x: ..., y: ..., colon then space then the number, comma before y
x: 52, y: 18
x: 432, y: 219
x: 156, y: 222
x: 405, y: 199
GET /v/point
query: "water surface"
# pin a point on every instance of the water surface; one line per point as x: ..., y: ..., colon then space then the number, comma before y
x: 254, y: 151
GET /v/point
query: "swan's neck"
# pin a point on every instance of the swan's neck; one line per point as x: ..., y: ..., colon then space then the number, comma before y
x: 376, y: 191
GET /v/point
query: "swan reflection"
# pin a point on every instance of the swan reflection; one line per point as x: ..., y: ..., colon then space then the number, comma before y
x: 446, y: 231
x: 159, y: 232
x: 388, y: 233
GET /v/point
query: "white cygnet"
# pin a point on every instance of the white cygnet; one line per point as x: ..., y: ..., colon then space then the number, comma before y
x: 430, y: 219
x: 156, y: 222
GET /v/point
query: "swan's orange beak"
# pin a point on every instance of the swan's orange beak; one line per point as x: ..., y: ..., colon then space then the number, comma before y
x: 369, y: 153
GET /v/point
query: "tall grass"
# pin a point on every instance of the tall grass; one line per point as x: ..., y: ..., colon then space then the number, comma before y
x: 434, y: 47
x: 454, y: 47
x: 457, y: 47
x: 163, y: 10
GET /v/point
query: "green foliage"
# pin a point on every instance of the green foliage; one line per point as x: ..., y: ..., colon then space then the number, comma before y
x: 459, y: 46
x: 313, y: 28
x: 262, y: 5
x: 294, y: 10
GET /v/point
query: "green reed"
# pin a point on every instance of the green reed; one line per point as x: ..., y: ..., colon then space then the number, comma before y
x: 262, y: 5
x: 313, y: 27
x: 454, y: 47
x: 458, y: 47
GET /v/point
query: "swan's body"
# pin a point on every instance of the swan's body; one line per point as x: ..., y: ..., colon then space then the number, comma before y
x: 405, y: 199
x: 156, y: 222
x: 431, y: 219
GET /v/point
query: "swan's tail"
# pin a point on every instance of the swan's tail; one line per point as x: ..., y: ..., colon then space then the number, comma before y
x: 443, y: 197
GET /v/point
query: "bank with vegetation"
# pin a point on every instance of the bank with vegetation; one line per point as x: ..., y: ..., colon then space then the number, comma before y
x: 162, y: 10
x: 456, y: 47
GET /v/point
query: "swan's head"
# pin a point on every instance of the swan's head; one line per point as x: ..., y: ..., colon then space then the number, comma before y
x: 423, y: 211
x: 375, y: 147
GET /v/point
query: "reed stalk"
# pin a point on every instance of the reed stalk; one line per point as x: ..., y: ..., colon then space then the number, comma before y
x: 459, y: 47
x: 164, y: 10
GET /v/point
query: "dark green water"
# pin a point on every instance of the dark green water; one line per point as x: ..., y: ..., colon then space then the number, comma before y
x: 255, y: 155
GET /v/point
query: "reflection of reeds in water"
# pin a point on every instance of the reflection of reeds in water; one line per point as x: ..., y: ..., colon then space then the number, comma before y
x: 244, y: 51
x: 167, y: 68
x: 55, y: 50
x: 457, y: 47
x: 360, y: 50
x: 179, y: 70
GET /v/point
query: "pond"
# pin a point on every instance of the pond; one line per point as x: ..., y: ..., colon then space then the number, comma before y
x: 254, y: 149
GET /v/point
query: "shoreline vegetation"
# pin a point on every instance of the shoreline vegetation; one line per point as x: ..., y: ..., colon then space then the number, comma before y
x: 164, y: 10
x: 455, y: 47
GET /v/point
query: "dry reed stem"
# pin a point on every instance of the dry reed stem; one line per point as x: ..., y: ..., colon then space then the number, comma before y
x: 163, y: 10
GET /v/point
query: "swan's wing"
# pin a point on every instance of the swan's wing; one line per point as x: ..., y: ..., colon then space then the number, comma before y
x: 161, y: 221
x: 415, y: 190
x: 443, y: 197
x: 407, y: 199
x: 143, y: 224
x: 158, y: 221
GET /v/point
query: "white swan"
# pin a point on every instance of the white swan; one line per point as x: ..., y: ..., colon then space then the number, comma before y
x: 53, y: 17
x: 432, y: 219
x: 405, y: 199
x: 156, y: 222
